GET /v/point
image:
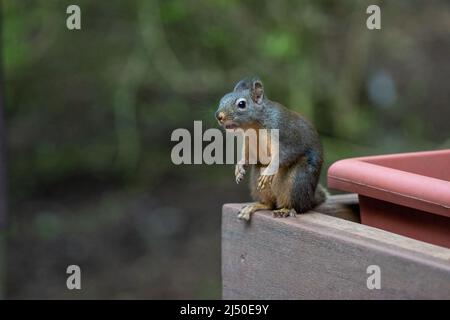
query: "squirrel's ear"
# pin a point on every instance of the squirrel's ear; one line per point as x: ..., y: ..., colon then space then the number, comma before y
x: 257, y: 91
x: 241, y: 85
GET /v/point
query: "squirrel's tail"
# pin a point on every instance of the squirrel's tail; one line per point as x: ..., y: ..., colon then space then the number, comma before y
x: 321, y: 195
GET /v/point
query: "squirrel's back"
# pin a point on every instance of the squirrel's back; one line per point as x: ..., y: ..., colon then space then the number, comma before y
x: 297, y: 136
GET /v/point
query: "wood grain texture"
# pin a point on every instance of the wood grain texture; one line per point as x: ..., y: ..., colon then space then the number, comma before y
x: 316, y: 256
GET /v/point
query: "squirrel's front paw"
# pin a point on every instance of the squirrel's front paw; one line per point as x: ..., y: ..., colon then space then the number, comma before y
x: 264, y: 181
x: 239, y: 172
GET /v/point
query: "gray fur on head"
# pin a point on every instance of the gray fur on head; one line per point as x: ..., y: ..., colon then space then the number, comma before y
x: 249, y: 90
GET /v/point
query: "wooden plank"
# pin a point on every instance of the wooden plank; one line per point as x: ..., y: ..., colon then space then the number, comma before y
x: 316, y: 256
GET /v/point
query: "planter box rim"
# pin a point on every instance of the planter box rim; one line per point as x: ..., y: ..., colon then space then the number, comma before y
x: 362, y: 176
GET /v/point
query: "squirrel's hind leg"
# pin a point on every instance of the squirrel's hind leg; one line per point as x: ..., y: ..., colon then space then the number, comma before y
x: 249, y: 209
x: 295, y: 189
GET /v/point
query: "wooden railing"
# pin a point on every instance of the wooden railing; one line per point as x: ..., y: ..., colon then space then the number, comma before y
x: 326, y: 254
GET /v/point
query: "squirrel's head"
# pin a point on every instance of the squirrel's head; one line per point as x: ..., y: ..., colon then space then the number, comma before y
x: 242, y: 108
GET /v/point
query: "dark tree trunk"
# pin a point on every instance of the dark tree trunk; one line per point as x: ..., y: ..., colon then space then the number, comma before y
x: 3, y: 153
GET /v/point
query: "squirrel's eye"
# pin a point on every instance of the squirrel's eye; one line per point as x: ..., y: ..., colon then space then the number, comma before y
x: 241, y: 104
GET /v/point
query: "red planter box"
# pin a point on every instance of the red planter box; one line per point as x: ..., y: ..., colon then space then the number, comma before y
x: 407, y: 193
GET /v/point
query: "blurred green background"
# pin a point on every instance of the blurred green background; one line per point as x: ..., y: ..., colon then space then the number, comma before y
x: 89, y: 116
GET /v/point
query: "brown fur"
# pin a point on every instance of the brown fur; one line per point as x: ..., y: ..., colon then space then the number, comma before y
x: 295, y: 185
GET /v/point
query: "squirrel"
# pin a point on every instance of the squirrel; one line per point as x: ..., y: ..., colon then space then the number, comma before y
x: 294, y: 187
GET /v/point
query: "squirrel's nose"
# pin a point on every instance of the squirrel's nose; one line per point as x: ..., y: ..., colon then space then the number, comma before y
x: 220, y: 116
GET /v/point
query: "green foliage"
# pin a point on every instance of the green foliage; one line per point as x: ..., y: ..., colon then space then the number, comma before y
x: 102, y: 97
x: 104, y: 100
x: 94, y: 110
